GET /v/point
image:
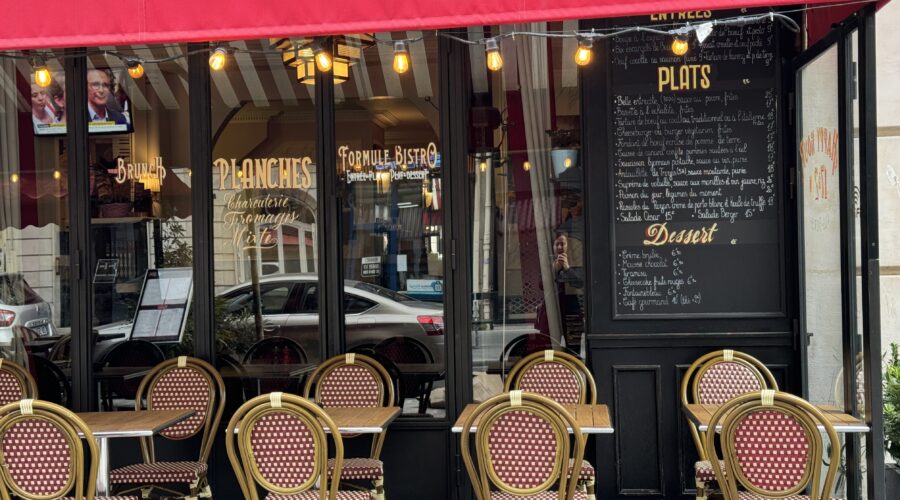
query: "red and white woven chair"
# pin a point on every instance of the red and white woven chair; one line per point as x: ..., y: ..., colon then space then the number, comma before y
x: 356, y: 381
x: 15, y: 383
x: 522, y: 449
x: 772, y: 447
x: 43, y: 455
x: 182, y: 383
x: 715, y: 378
x: 277, y: 441
x: 564, y: 378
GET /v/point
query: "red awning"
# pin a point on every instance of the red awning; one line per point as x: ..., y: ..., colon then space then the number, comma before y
x: 88, y: 23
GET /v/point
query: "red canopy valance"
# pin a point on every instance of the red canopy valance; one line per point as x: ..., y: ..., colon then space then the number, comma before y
x: 89, y: 23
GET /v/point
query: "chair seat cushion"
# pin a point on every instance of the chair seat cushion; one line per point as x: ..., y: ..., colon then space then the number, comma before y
x: 314, y: 495
x: 587, y: 471
x: 703, y: 471
x: 159, y: 472
x: 359, y: 468
x: 746, y: 495
x: 544, y: 495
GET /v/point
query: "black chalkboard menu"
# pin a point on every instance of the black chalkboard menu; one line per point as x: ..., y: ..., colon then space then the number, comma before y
x: 694, y: 172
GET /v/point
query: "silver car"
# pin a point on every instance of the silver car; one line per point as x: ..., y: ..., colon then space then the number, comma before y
x: 20, y: 305
x: 290, y: 308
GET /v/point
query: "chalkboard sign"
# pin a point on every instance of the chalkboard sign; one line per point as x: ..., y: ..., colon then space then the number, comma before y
x: 694, y: 173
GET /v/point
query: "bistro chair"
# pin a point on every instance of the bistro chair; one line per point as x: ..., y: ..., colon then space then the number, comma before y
x: 278, y: 441
x: 772, y: 447
x: 181, y: 383
x: 43, y: 455
x: 131, y: 353
x: 275, y: 351
x: 409, y: 350
x: 15, y: 383
x: 522, y: 449
x: 565, y: 379
x: 355, y: 380
x: 715, y: 378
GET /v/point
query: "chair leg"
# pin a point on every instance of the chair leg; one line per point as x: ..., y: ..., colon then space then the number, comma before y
x: 378, y: 492
x: 145, y: 492
x: 591, y: 492
x: 701, y: 490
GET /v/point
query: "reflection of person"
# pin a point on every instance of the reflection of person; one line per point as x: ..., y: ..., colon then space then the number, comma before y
x: 99, y: 91
x: 40, y: 108
x: 569, y: 305
x: 57, y: 91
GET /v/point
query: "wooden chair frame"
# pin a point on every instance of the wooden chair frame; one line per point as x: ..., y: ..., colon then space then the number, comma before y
x: 213, y: 415
x: 483, y: 474
x: 70, y: 425
x: 240, y: 454
x: 26, y: 382
x: 587, y: 389
x: 732, y: 413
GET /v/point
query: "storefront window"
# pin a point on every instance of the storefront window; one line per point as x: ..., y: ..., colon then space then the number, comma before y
x: 389, y: 170
x: 525, y: 174
x: 34, y: 227
x: 264, y: 216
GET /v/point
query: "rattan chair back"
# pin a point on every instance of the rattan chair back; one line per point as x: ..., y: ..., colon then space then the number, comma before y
x: 277, y: 441
x: 15, y: 383
x: 558, y: 375
x: 43, y: 453
x: 719, y: 376
x: 772, y: 446
x: 522, y: 446
x: 350, y: 380
x: 184, y: 383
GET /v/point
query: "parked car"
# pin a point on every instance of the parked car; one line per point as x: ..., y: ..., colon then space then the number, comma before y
x: 290, y: 308
x: 20, y: 305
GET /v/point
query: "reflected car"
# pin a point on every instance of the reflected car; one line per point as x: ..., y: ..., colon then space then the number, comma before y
x: 20, y: 305
x: 290, y: 308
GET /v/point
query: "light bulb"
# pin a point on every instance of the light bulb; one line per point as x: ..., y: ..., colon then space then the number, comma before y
x: 401, y: 56
x: 483, y: 166
x: 492, y: 52
x: 136, y: 70
x: 42, y: 76
x: 217, y: 59
x: 323, y: 59
x: 57, y: 174
x: 679, y: 46
x: 584, y: 53
x: 14, y: 178
x: 526, y: 166
x: 567, y: 163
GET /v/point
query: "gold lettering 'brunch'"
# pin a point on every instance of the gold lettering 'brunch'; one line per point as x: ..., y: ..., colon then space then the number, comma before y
x: 140, y: 171
x: 264, y: 173
x: 659, y: 235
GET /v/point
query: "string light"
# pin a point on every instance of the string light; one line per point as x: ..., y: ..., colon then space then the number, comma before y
x: 57, y: 174
x: 483, y: 166
x: 584, y: 53
x: 135, y: 68
x: 679, y: 46
x: 492, y: 52
x: 401, y: 56
x: 217, y: 59
x: 526, y: 166
x: 14, y: 178
x: 323, y: 58
x: 42, y: 75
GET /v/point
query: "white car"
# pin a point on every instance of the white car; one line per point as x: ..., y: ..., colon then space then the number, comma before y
x: 20, y: 305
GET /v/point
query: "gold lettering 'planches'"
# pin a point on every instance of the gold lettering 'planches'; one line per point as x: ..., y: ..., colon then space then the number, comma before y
x: 659, y: 235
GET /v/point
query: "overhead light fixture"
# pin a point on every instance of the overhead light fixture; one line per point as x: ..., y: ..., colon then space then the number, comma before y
x: 401, y: 56
x: 42, y: 75
x: 301, y: 53
x: 679, y: 46
x: 340, y: 70
x: 492, y: 53
x: 584, y: 53
x: 324, y: 62
x: 135, y: 68
x: 217, y: 59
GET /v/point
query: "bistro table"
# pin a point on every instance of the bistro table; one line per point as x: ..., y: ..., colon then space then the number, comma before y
x: 361, y: 420
x: 592, y: 419
x: 103, y: 376
x: 842, y: 422
x: 108, y: 425
x: 276, y: 371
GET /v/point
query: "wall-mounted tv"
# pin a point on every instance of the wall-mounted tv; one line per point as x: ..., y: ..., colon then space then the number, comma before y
x: 108, y: 106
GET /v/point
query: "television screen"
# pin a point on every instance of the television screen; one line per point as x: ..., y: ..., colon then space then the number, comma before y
x: 108, y: 106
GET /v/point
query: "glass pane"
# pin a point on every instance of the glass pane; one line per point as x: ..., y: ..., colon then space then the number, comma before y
x: 140, y: 191
x: 387, y: 127
x: 264, y: 215
x: 526, y: 183
x: 34, y: 227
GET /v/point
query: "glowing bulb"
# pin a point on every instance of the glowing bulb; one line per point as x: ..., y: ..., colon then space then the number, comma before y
x: 42, y: 76
x: 401, y: 56
x: 679, y: 46
x: 240, y: 173
x: 584, y: 53
x: 190, y: 173
x: 323, y: 59
x: 483, y: 166
x: 14, y: 178
x: 567, y: 163
x: 217, y: 59
x: 136, y: 70
x: 57, y: 174
x: 492, y: 52
x: 526, y: 166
